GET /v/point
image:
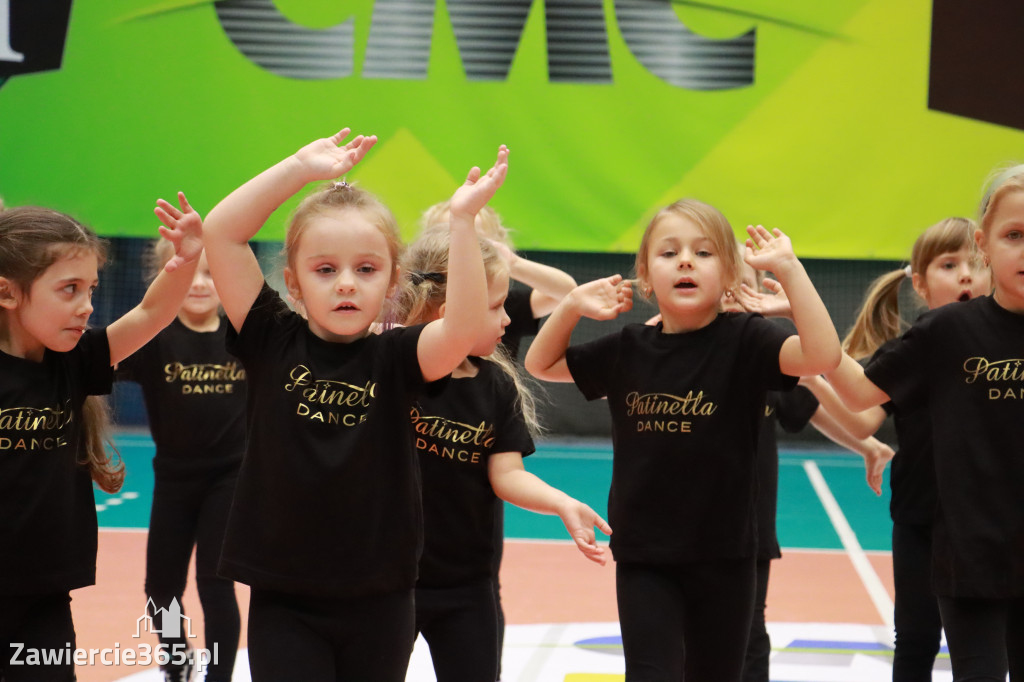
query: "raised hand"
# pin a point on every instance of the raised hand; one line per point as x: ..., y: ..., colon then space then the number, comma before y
x: 183, y: 228
x: 478, y: 189
x: 579, y: 520
x: 768, y: 251
x: 603, y: 299
x: 773, y: 303
x: 327, y: 158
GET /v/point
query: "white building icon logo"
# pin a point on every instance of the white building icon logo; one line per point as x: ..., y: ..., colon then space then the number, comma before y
x: 171, y: 621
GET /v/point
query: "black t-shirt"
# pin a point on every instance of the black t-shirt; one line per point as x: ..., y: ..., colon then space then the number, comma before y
x: 456, y: 431
x: 328, y: 496
x: 195, y: 398
x: 47, y: 509
x: 686, y: 411
x: 522, y: 322
x: 966, y: 363
x: 791, y: 410
x: 912, y: 477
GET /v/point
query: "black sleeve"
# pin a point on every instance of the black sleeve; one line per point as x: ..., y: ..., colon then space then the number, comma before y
x: 90, y: 362
x: 511, y: 432
x: 795, y: 408
x: 898, y: 366
x: 592, y: 364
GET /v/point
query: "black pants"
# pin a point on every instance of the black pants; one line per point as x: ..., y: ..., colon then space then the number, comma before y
x: 687, y: 621
x: 318, y: 639
x: 187, y: 512
x: 985, y: 637
x: 461, y: 627
x: 39, y: 623
x: 918, y: 624
x: 759, y: 644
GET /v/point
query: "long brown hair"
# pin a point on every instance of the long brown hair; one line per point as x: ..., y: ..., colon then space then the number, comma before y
x: 425, y: 288
x: 31, y: 240
x: 879, y: 318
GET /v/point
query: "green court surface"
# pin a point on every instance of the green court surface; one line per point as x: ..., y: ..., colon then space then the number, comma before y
x: 584, y: 470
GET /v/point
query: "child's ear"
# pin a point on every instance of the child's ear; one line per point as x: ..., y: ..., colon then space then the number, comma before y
x: 440, y: 311
x: 291, y: 282
x: 920, y: 285
x: 395, y: 281
x: 981, y: 239
x: 8, y: 299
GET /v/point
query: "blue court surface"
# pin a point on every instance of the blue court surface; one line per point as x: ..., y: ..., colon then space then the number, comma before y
x: 584, y: 471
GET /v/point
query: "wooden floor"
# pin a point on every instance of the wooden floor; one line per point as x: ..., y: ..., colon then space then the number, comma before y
x: 542, y: 582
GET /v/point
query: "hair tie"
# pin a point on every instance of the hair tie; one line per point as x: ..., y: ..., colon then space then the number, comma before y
x: 907, y: 271
x: 340, y: 184
x: 418, y: 278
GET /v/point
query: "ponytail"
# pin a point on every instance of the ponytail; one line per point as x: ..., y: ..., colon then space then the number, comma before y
x: 878, y: 319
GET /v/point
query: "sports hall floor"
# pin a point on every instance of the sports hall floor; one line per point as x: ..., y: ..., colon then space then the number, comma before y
x: 829, y: 603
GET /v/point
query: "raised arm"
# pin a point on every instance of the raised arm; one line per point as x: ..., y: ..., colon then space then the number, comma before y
x: 876, y: 454
x: 513, y: 483
x: 550, y: 285
x: 163, y: 298
x: 240, y: 215
x: 859, y: 424
x: 446, y: 342
x: 602, y: 299
x: 815, y: 349
x: 853, y: 387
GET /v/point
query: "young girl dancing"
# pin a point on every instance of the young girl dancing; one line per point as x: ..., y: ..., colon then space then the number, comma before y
x: 52, y: 428
x: 954, y: 384
x: 326, y: 525
x: 944, y: 269
x: 188, y: 378
x: 687, y: 398
x: 471, y: 436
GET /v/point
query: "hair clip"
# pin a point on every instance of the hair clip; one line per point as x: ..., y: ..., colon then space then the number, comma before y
x: 340, y: 184
x: 418, y: 278
x: 907, y: 271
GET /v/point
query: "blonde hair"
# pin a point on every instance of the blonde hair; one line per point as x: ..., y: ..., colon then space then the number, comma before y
x: 1001, y: 183
x: 340, y: 196
x: 425, y: 289
x: 31, y: 240
x: 159, y: 252
x: 488, y: 222
x: 714, y: 226
x: 879, y: 319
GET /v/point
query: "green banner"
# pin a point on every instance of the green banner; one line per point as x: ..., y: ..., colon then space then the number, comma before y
x: 809, y: 116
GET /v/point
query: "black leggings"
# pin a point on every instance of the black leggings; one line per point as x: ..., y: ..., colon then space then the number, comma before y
x: 985, y: 637
x: 189, y: 512
x: 322, y: 639
x: 918, y: 625
x: 40, y: 623
x: 690, y: 618
x: 759, y: 644
x: 460, y: 625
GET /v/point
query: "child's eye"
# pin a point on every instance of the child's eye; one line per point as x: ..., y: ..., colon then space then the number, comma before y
x: 668, y: 254
x: 1015, y: 234
x: 948, y: 265
x: 367, y: 269
x: 704, y: 253
x: 324, y: 269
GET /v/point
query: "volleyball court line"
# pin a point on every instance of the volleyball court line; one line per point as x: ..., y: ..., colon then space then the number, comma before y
x: 872, y: 583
